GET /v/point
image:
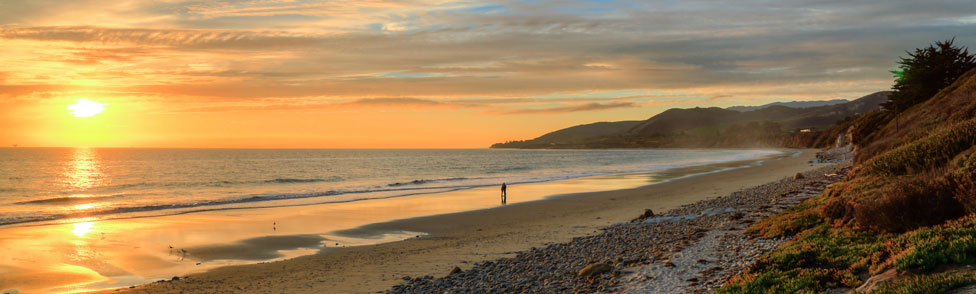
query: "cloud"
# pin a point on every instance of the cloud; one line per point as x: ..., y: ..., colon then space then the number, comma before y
x: 188, y: 39
x: 271, y: 8
x: 13, y: 91
x: 398, y: 102
x: 98, y: 55
x: 718, y: 97
x: 447, y: 50
x: 488, y: 105
x: 318, y: 104
x: 572, y: 108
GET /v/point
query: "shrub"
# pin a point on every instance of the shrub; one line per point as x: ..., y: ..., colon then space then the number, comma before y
x: 965, y: 189
x: 966, y: 162
x: 910, y: 203
x: 789, y: 222
x: 837, y: 209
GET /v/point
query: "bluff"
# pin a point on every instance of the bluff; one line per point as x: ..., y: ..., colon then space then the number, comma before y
x: 904, y: 220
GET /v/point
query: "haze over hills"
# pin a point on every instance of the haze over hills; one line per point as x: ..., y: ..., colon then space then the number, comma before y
x: 768, y: 125
x: 791, y: 104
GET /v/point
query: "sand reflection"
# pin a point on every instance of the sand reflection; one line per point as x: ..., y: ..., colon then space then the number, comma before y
x: 83, y: 228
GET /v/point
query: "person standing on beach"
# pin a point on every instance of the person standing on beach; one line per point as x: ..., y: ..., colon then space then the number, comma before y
x: 504, y: 196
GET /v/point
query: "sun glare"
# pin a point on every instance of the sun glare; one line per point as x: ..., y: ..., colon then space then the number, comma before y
x: 86, y: 108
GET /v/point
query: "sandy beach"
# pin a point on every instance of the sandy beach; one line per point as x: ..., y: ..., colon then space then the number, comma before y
x: 462, y: 239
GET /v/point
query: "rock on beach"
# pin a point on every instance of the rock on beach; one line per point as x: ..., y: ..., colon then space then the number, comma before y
x: 594, y: 269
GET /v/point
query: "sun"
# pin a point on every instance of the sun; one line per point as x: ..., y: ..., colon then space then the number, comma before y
x: 86, y: 108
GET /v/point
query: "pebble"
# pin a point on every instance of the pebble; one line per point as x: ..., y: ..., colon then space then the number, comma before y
x: 658, y: 241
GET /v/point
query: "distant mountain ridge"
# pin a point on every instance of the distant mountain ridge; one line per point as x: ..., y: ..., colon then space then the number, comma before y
x: 767, y: 126
x: 791, y: 104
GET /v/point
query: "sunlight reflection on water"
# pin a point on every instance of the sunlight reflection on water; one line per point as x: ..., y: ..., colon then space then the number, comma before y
x: 82, y: 171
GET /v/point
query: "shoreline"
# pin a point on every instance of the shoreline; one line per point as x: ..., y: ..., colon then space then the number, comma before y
x: 92, y: 254
x: 394, y: 189
x: 464, y: 238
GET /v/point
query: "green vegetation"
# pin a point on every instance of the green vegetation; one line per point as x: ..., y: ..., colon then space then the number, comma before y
x: 825, y: 257
x: 909, y: 205
x: 952, y: 243
x: 790, y: 281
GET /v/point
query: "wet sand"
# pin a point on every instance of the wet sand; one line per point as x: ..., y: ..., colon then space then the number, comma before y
x: 460, y: 239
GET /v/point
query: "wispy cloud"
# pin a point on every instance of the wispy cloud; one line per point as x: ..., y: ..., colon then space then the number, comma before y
x: 398, y: 102
x: 188, y: 39
x: 571, y: 108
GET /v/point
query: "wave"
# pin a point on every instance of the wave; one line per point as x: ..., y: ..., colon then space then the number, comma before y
x: 509, y: 169
x: 71, y: 199
x: 221, y: 183
x: 8, y: 220
x: 419, y: 182
x: 296, y: 181
x: 398, y: 189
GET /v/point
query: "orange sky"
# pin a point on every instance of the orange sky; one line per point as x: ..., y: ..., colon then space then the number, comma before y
x: 424, y: 74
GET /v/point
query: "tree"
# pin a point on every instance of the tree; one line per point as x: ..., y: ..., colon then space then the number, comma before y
x: 926, y: 71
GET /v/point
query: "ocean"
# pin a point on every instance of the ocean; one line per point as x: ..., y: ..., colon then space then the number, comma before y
x: 39, y: 185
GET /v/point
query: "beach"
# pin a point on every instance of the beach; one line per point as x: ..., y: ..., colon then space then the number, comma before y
x: 695, y: 248
x: 463, y: 239
x: 223, y: 217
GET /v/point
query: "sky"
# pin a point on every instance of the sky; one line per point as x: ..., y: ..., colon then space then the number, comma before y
x: 429, y: 73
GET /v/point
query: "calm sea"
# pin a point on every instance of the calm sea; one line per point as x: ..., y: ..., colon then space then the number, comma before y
x: 65, y: 184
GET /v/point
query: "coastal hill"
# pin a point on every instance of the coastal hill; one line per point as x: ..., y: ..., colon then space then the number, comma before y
x: 581, y: 133
x: 771, y: 125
